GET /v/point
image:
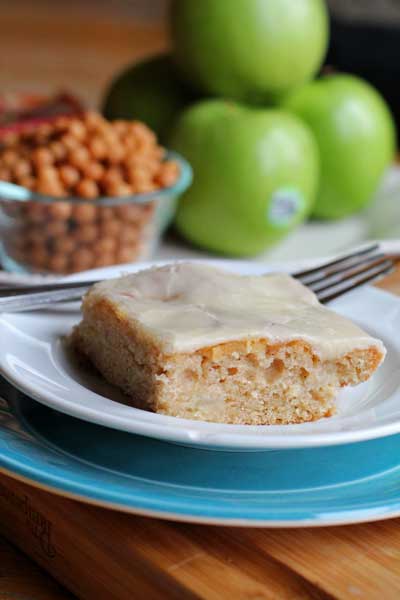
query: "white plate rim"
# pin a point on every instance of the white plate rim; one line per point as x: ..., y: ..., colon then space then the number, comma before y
x: 187, y: 432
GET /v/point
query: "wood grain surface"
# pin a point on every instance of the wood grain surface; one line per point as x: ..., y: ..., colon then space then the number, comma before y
x: 99, y: 554
x: 46, y: 46
x: 105, y: 555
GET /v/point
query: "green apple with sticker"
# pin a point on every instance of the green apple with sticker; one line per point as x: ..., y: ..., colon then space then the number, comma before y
x: 255, y: 176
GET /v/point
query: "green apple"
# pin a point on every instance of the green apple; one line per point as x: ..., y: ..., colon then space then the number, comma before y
x: 149, y: 91
x: 255, y: 175
x: 249, y: 50
x: 356, y: 137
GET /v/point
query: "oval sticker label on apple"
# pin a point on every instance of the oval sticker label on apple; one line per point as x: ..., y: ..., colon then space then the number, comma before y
x: 286, y: 203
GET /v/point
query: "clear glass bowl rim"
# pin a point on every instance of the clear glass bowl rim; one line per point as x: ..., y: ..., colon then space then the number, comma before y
x: 11, y: 192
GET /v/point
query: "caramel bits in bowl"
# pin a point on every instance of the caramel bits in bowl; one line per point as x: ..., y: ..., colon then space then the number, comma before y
x: 89, y: 179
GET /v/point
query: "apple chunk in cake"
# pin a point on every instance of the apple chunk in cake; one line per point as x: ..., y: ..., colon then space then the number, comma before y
x: 194, y: 341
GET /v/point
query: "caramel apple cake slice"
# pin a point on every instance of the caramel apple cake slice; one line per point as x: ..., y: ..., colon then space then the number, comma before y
x: 191, y: 340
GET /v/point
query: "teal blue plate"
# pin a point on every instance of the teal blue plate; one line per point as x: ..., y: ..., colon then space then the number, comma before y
x: 320, y: 486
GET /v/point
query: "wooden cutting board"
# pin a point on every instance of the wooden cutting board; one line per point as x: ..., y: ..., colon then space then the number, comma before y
x: 105, y: 555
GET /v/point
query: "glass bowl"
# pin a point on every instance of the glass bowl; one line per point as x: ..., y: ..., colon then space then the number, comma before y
x: 49, y: 235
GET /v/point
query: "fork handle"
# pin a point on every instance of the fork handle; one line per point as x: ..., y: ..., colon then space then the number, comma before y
x: 40, y: 299
x: 6, y: 291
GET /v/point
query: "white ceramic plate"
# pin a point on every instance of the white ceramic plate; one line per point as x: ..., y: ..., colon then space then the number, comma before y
x: 33, y: 357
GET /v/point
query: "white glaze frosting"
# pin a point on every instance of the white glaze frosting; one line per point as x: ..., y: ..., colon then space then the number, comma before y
x: 187, y: 306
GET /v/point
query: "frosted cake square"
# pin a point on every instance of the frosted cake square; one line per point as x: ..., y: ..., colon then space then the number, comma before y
x: 194, y: 341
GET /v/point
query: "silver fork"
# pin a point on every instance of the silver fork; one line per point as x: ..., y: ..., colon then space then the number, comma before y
x: 328, y: 281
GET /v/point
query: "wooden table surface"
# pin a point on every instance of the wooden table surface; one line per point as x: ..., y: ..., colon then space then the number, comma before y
x: 47, y: 45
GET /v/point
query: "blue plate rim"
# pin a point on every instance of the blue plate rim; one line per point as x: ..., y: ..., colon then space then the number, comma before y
x: 358, y: 517
x: 64, y: 482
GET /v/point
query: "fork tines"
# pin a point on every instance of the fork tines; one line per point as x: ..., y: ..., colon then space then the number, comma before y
x: 329, y: 280
x: 334, y: 278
